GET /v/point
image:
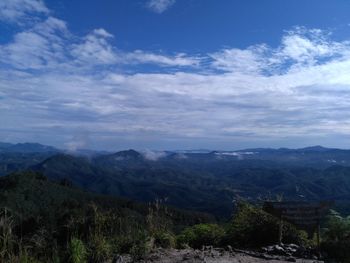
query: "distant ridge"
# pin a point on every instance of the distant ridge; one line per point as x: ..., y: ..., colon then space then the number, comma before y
x: 27, y: 148
x: 316, y: 148
x: 4, y: 145
x: 128, y: 154
x: 131, y: 153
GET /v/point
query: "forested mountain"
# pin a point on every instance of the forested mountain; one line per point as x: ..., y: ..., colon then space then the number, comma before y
x: 207, y: 182
x: 197, y: 180
x: 41, y: 219
x: 33, y: 197
x: 17, y: 157
x: 17, y: 161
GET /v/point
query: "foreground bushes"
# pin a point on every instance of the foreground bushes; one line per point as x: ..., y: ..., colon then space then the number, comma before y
x: 336, y: 238
x: 77, y: 251
x: 164, y: 239
x: 201, y: 235
x: 252, y: 227
x: 90, y: 235
x: 96, y: 236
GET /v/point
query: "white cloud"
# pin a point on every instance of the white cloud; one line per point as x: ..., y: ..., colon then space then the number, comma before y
x: 159, y: 6
x: 153, y: 155
x: 56, y: 84
x: 50, y: 44
x: 95, y: 49
x: 306, y: 47
x: 299, y: 48
x: 102, y: 33
x: 52, y: 28
x: 180, y: 59
x: 15, y: 11
x: 249, y: 60
x: 39, y: 47
x: 79, y: 142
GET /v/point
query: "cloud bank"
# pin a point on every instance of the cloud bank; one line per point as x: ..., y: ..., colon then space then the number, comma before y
x: 55, y: 84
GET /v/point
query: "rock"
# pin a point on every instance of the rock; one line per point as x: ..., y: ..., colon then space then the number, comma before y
x: 154, y: 257
x: 207, y: 248
x: 219, y: 249
x: 117, y: 259
x: 294, y: 246
x: 185, y: 257
x: 229, y: 249
x: 267, y: 257
x: 279, y: 248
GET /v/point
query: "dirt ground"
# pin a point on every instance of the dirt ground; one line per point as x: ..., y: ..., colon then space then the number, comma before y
x: 214, y: 255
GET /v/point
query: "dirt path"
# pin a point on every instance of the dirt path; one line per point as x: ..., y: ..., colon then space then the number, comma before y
x: 211, y: 256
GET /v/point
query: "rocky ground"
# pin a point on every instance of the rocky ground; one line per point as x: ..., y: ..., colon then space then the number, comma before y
x: 210, y: 255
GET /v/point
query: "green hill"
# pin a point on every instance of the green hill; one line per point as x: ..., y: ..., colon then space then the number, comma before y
x: 40, y: 216
x: 32, y: 195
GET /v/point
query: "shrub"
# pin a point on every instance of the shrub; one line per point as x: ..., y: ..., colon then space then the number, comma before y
x: 253, y: 227
x: 139, y: 248
x: 164, y: 239
x: 138, y: 251
x: 201, y: 235
x: 27, y: 259
x: 122, y: 244
x: 7, y: 237
x: 77, y: 251
x: 336, y: 238
x: 100, y: 249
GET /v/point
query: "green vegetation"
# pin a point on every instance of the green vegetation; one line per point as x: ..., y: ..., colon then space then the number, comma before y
x: 43, y: 221
x: 77, y: 251
x: 203, y: 182
x: 201, y: 235
x: 250, y: 227
x: 336, y: 238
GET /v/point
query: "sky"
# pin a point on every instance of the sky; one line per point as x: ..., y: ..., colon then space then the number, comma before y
x: 175, y: 74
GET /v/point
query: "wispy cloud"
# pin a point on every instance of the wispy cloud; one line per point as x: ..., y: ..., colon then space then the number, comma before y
x: 299, y: 48
x: 153, y: 155
x: 180, y: 59
x: 49, y: 44
x: 95, y: 49
x: 251, y: 60
x: 42, y: 46
x: 159, y: 6
x: 18, y: 11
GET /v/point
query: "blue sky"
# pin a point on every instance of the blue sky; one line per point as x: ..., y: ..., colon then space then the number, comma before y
x: 175, y: 74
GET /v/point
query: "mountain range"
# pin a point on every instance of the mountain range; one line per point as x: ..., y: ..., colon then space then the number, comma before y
x: 206, y: 181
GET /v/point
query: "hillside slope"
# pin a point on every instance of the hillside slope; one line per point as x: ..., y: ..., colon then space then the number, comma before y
x: 204, y: 182
x: 31, y: 196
